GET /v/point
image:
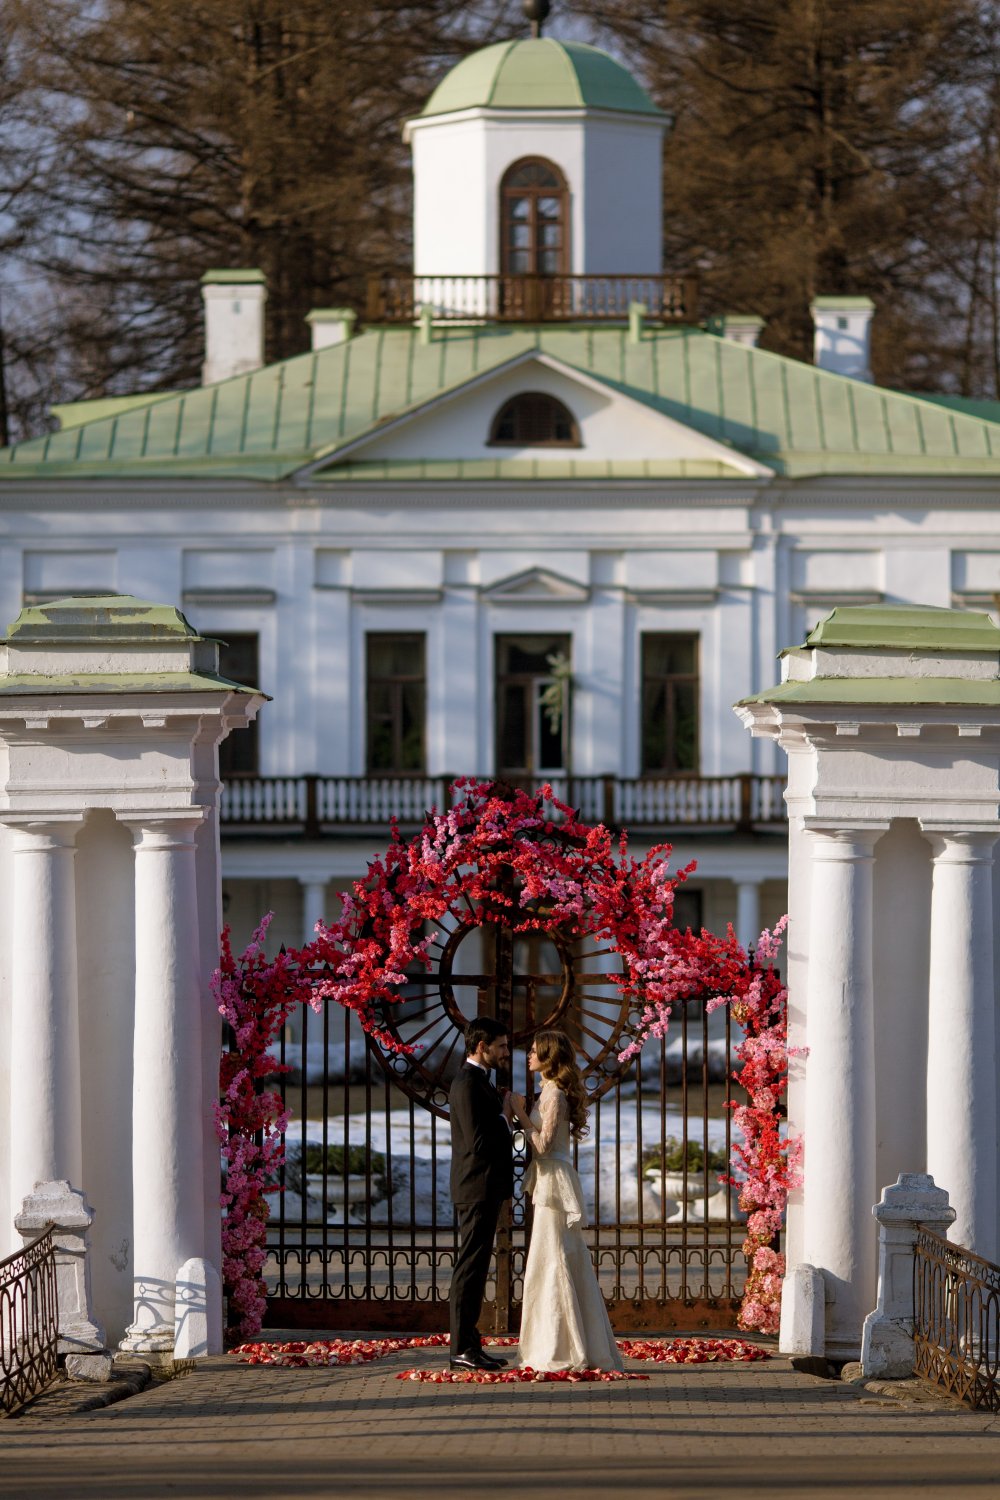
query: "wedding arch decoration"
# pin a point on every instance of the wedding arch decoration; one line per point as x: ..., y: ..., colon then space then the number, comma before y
x: 499, y: 855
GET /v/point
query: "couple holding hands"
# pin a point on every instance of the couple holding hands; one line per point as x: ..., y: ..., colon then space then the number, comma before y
x: 564, y: 1322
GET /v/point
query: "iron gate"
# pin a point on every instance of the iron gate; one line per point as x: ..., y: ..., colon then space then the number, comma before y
x: 362, y: 1233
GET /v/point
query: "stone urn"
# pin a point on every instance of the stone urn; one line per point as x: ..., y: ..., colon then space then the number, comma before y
x: 340, y: 1200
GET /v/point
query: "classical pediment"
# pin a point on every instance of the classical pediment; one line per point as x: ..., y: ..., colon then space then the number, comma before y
x: 614, y: 427
x: 536, y: 586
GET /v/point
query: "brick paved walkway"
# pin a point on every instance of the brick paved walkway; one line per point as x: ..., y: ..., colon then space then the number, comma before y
x: 232, y: 1430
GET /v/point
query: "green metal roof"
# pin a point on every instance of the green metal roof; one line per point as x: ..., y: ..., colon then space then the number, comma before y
x: 400, y: 470
x: 104, y: 622
x: 904, y: 627
x: 75, y: 413
x: 107, y: 618
x: 265, y: 426
x: 234, y: 276
x: 843, y: 304
x: 539, y: 73
x: 893, y: 692
x: 122, y: 682
x: 972, y: 406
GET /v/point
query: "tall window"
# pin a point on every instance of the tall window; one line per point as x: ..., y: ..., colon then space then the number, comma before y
x: 239, y: 660
x: 532, y: 697
x: 396, y: 701
x: 669, y: 702
x: 534, y: 220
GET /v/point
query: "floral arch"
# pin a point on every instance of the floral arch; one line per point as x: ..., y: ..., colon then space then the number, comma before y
x: 524, y: 862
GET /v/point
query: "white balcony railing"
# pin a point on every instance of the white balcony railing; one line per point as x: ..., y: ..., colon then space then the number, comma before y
x: 313, y: 805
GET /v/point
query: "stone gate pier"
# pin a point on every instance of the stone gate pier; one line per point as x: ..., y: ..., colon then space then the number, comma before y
x: 890, y: 718
x: 111, y: 713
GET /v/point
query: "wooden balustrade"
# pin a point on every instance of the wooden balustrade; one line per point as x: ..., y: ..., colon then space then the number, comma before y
x: 399, y: 297
x: 314, y: 804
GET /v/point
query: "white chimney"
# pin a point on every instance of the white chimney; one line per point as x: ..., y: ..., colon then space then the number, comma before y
x: 738, y: 328
x: 234, y: 323
x: 331, y: 325
x: 842, y: 335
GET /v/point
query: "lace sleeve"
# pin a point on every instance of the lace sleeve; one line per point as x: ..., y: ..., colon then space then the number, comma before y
x: 551, y: 1108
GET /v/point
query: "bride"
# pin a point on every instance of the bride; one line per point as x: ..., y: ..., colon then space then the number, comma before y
x: 564, y: 1322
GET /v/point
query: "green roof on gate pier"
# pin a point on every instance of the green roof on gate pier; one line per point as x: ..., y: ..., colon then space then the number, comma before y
x: 305, y: 413
x: 89, y: 628
x: 905, y: 627
x: 895, y: 635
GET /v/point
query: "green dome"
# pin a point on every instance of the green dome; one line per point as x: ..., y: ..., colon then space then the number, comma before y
x: 539, y: 73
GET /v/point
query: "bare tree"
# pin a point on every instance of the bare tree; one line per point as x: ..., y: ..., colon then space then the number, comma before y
x: 223, y: 132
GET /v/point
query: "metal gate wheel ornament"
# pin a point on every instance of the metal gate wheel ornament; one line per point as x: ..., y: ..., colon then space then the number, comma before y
x: 435, y: 934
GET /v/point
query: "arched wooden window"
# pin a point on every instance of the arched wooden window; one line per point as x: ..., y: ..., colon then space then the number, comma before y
x: 534, y: 419
x: 534, y: 219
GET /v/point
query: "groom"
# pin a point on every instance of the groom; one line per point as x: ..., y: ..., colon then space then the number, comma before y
x: 482, y: 1177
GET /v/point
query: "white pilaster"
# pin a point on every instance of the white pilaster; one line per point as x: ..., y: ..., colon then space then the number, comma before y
x: 838, y: 1236
x: 961, y: 1036
x: 167, y: 1076
x: 45, y: 1119
x: 748, y: 911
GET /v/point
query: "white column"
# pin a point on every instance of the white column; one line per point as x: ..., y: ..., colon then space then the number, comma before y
x: 45, y: 1119
x: 961, y: 1036
x: 839, y: 1189
x: 313, y: 907
x: 748, y: 911
x: 167, y: 1141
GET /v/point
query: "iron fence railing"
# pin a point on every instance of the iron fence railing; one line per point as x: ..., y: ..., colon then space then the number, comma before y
x: 956, y: 1320
x: 314, y: 804
x: 399, y: 296
x: 29, y: 1322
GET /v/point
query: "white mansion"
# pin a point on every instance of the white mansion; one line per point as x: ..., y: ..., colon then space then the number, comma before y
x: 528, y: 517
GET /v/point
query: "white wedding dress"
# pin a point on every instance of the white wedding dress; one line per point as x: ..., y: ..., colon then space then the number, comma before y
x: 564, y: 1322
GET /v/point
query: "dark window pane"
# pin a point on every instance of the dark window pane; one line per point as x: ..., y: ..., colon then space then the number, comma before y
x: 396, y: 702
x: 239, y: 751
x: 534, y: 174
x: 687, y: 908
x: 549, y: 208
x: 550, y: 737
x: 527, y: 741
x: 534, y: 418
x: 669, y: 728
x: 685, y: 716
x: 667, y: 655
x: 395, y: 656
x: 513, y: 728
x: 518, y: 208
x: 411, y: 755
x: 654, y: 726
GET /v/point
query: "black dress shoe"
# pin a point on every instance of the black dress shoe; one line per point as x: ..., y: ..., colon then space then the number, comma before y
x: 493, y: 1359
x: 472, y: 1359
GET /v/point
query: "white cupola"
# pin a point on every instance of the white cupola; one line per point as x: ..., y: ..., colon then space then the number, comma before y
x: 537, y: 158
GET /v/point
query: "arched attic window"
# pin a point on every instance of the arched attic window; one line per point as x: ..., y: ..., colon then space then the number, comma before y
x: 534, y: 219
x: 534, y: 419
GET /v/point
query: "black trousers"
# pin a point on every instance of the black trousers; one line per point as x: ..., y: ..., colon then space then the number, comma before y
x: 477, y: 1228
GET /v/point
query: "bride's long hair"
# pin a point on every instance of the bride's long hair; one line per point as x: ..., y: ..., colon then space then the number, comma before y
x: 558, y: 1059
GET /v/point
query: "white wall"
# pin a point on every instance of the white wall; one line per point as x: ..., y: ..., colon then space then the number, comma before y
x: 612, y: 169
x: 721, y: 560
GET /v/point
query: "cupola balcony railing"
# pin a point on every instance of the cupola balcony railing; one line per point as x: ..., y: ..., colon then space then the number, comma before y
x: 400, y: 297
x: 313, y: 805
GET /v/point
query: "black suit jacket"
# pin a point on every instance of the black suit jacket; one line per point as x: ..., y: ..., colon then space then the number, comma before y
x: 482, y: 1153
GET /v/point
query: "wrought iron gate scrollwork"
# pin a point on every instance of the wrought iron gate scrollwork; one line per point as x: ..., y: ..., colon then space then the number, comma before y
x: 367, y: 1239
